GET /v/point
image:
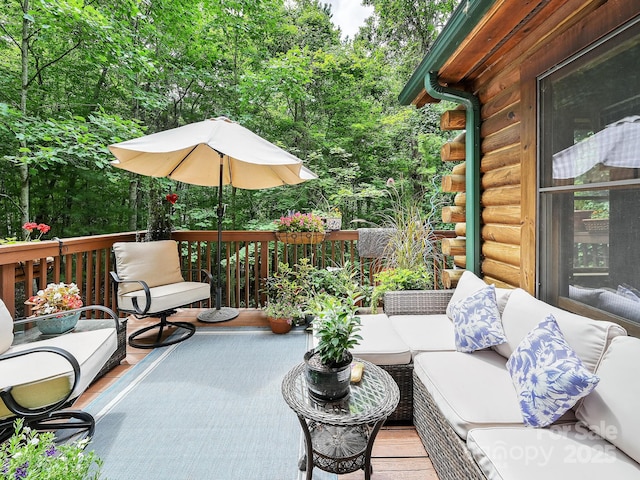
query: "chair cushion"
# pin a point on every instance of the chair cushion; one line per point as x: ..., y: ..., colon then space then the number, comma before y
x: 42, y: 379
x: 468, y: 284
x: 548, y: 375
x: 612, y: 410
x: 476, y: 321
x: 565, y: 451
x: 471, y: 391
x: 587, y: 337
x: 6, y: 328
x: 156, y: 263
x: 166, y: 297
x: 425, y: 333
x: 380, y: 343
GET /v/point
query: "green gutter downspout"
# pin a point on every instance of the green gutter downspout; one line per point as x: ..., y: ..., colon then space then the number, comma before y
x: 472, y: 162
x: 464, y: 19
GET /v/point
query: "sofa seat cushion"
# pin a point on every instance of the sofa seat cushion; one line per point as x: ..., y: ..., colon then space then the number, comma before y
x: 425, y: 333
x: 166, y: 297
x: 471, y: 390
x: 560, y: 452
x: 380, y: 343
x: 588, y: 338
x: 611, y: 409
x: 44, y: 378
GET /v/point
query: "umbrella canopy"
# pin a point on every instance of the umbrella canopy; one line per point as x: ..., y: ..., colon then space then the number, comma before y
x: 617, y: 145
x: 213, y: 152
x: 189, y: 153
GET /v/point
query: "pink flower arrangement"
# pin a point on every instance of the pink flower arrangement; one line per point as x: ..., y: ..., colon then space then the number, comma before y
x: 57, y: 297
x: 40, y: 227
x: 300, y: 222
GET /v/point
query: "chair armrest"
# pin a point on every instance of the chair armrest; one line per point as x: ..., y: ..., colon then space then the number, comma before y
x: 147, y: 293
x: 416, y: 302
x: 86, y: 308
x: 18, y: 409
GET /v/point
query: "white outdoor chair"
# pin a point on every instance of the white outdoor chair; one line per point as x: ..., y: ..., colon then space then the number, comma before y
x: 41, y: 378
x: 148, y: 283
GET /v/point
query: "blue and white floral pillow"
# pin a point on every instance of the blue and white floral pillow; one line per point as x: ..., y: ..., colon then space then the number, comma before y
x: 476, y: 321
x: 548, y: 375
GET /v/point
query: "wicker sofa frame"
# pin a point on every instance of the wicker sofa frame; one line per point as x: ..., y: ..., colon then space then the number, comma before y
x: 448, y: 452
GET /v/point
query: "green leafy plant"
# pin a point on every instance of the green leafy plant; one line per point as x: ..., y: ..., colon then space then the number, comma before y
x: 336, y: 281
x: 399, y: 279
x: 412, y: 242
x: 336, y: 327
x: 282, y: 310
x: 32, y: 455
x: 288, y: 289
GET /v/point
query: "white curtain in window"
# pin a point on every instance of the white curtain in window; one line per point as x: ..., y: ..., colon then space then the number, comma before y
x: 617, y: 145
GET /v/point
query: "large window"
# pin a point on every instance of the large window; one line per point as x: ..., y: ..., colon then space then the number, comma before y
x: 589, y: 171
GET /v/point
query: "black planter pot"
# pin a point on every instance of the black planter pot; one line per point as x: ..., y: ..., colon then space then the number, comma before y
x: 327, y: 383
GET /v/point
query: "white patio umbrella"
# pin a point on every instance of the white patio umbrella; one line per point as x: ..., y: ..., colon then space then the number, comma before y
x: 617, y: 145
x: 213, y: 152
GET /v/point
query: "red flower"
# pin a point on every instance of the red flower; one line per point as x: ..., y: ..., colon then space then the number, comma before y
x: 172, y: 198
x: 30, y: 226
x: 43, y: 227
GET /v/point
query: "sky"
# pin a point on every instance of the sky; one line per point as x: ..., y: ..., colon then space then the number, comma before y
x: 349, y: 15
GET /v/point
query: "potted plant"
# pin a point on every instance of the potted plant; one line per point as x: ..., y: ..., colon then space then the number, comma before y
x: 336, y: 327
x: 300, y: 228
x: 280, y: 315
x: 56, y: 298
x: 394, y: 279
x: 411, y: 254
x: 287, y: 293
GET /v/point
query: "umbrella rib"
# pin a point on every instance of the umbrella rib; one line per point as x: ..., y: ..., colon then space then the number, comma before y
x: 182, y: 161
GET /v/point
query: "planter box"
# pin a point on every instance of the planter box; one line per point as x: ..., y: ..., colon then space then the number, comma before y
x: 300, y: 237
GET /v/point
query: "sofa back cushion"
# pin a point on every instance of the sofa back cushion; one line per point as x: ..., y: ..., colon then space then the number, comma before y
x: 6, y: 328
x: 587, y: 337
x: 611, y: 410
x: 469, y: 284
x: 156, y: 263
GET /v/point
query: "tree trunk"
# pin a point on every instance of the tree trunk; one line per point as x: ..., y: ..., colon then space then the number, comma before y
x: 24, y: 168
x: 133, y: 203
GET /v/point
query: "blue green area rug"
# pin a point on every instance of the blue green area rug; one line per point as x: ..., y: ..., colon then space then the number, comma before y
x: 207, y: 408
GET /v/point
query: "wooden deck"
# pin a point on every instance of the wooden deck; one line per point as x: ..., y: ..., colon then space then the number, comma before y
x: 398, y: 453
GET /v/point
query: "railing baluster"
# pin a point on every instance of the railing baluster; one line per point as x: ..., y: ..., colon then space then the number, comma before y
x: 87, y: 262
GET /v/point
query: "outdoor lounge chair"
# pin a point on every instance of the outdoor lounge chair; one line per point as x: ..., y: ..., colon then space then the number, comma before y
x: 39, y: 379
x: 148, y: 282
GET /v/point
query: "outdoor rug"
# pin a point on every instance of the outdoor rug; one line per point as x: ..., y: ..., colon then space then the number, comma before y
x: 207, y: 408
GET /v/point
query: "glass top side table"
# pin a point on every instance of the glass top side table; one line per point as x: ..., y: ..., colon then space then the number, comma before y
x: 339, y: 435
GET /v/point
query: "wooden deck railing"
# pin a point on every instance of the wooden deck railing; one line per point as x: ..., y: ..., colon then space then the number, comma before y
x: 247, y: 258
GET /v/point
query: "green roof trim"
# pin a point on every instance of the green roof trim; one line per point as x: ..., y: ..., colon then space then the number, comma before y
x: 463, y: 20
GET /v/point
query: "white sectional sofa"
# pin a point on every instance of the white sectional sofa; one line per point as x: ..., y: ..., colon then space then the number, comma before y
x: 468, y: 410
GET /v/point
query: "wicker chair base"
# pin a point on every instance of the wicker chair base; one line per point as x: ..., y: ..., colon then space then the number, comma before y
x: 448, y: 452
x: 403, y: 375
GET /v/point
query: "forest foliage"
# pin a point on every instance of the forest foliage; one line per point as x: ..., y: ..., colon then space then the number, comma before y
x: 77, y: 76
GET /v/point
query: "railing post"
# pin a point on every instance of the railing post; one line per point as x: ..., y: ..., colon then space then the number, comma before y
x: 8, y: 287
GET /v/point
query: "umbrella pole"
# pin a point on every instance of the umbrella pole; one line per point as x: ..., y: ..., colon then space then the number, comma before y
x: 220, y: 313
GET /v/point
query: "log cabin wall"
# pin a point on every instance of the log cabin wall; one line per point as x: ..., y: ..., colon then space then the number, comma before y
x: 500, y: 62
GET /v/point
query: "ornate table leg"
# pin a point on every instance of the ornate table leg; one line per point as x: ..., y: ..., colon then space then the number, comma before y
x: 368, y: 469
x: 306, y: 462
